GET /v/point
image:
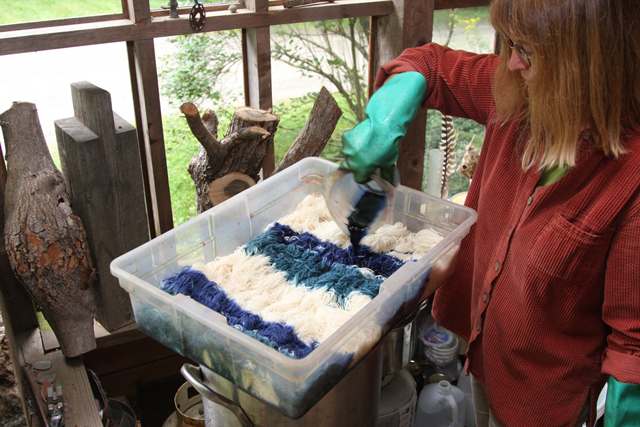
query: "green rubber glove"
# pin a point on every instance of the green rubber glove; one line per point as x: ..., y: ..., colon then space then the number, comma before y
x: 622, y: 408
x: 373, y: 143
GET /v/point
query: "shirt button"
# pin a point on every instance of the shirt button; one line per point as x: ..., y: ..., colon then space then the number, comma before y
x: 478, y: 326
x: 497, y: 266
x: 509, y: 232
x: 530, y: 200
x: 484, y: 298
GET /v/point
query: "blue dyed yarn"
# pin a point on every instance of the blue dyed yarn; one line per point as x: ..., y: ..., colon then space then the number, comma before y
x: 381, y: 264
x: 304, y: 268
x: 308, y: 261
x: 195, y: 285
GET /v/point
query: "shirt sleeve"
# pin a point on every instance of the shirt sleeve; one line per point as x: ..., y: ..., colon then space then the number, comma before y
x: 459, y: 83
x: 621, y: 305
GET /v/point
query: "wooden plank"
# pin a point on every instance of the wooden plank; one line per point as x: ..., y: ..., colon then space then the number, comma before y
x: 125, y: 30
x: 258, y: 68
x: 79, y: 403
x: 122, y: 366
x: 151, y: 138
x: 257, y: 77
x: 131, y: 56
x: 410, y: 25
x: 109, y: 198
x: 256, y: 5
x: 138, y: 11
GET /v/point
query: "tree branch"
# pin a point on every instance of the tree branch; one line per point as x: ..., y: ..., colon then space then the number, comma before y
x: 208, y: 141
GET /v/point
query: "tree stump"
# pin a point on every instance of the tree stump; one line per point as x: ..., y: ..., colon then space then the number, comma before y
x: 45, y: 240
x: 242, y: 151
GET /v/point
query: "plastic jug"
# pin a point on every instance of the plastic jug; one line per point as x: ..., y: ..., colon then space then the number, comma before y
x: 441, y: 405
x: 464, y: 384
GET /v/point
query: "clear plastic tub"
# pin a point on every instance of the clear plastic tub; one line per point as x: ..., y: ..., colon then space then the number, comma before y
x: 193, y: 330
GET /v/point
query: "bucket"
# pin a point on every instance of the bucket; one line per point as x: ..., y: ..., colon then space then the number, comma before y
x: 189, y: 408
x: 353, y: 402
x: 398, y: 401
x: 398, y: 346
x: 440, y: 347
x: 121, y: 414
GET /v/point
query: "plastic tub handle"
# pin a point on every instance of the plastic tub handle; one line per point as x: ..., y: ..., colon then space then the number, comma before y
x: 192, y: 374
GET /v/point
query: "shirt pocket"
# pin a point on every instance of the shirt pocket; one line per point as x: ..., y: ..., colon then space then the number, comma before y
x: 563, y: 251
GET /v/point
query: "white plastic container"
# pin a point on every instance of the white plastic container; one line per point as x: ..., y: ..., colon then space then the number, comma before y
x: 193, y: 330
x: 464, y: 384
x: 441, y: 405
x: 398, y: 401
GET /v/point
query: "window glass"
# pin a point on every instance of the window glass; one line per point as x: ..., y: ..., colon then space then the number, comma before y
x: 164, y: 4
x: 466, y: 29
x: 306, y: 57
x: 41, y: 10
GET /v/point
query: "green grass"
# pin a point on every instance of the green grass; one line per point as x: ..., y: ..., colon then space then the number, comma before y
x: 40, y: 10
x: 444, y: 16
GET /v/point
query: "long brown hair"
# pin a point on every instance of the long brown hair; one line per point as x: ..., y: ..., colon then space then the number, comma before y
x: 587, y: 74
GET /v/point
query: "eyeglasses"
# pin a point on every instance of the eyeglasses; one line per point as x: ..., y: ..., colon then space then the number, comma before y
x: 526, y: 57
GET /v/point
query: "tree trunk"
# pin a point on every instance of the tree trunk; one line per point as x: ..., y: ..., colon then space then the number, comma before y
x: 316, y: 132
x: 241, y: 150
x: 45, y: 240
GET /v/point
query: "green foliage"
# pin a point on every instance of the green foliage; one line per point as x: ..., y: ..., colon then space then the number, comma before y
x: 201, y: 68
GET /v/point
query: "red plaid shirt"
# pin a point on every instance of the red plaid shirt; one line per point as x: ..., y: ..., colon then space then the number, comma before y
x: 547, y: 285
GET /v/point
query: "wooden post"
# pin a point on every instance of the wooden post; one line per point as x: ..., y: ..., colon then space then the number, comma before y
x: 146, y: 95
x: 410, y: 25
x: 256, y: 59
x: 109, y: 198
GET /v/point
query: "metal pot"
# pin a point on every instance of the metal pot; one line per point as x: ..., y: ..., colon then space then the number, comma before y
x: 398, y: 346
x: 353, y: 402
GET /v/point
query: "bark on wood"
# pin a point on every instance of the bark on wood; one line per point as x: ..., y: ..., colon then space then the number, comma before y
x: 241, y: 150
x: 244, y: 147
x: 316, y: 132
x: 45, y: 240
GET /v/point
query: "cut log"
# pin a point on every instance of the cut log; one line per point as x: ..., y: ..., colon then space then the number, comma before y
x: 241, y: 150
x: 244, y: 148
x: 45, y: 240
x: 228, y: 186
x: 316, y: 132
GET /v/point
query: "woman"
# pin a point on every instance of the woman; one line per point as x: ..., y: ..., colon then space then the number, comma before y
x: 547, y: 285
